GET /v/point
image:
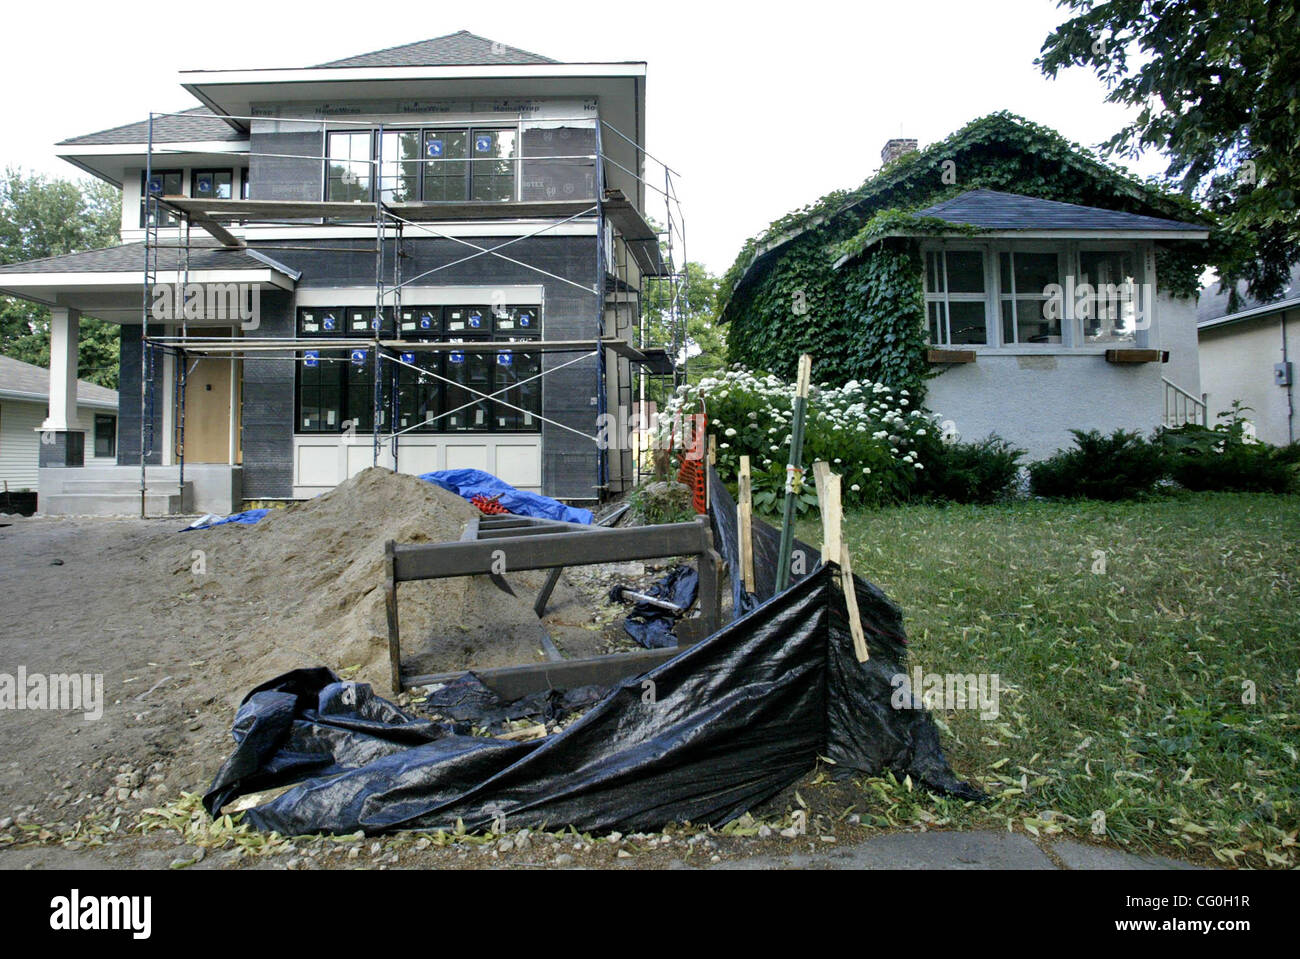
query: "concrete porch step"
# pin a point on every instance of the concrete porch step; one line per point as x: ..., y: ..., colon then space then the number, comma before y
x: 125, y: 503
x: 118, y: 486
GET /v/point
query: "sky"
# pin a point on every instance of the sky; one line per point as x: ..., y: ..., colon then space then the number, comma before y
x: 760, y: 108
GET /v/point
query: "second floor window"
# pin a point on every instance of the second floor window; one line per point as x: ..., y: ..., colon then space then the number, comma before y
x: 160, y: 183
x: 444, y: 165
x: 212, y: 184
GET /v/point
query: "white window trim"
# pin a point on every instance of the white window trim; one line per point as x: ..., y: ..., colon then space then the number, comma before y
x: 1143, y: 253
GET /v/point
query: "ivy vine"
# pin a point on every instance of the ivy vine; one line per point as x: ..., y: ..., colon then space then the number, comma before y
x: 784, y: 294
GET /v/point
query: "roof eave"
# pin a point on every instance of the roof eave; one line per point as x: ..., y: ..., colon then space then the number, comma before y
x: 1228, y: 319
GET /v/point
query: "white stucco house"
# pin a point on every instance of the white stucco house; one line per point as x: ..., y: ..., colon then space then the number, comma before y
x: 1052, y: 288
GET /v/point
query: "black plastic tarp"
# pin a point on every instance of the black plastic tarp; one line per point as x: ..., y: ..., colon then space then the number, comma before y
x: 704, y: 737
x: 652, y: 626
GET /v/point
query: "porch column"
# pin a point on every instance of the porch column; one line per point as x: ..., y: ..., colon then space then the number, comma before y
x: 63, y: 436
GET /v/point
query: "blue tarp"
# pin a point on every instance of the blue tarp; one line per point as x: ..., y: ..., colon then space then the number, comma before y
x: 471, y: 483
x: 248, y: 517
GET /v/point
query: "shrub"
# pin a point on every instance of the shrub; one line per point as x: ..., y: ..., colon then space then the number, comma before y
x: 1228, y: 457
x: 871, y: 434
x: 1120, y: 466
x: 979, y: 472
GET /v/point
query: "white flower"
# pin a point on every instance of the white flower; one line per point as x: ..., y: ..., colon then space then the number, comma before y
x: 730, y: 432
x: 855, y: 487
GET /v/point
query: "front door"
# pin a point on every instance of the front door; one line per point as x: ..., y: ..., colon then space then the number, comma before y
x: 206, y: 437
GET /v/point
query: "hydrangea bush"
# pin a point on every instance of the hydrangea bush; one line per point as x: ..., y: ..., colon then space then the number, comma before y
x: 872, y: 435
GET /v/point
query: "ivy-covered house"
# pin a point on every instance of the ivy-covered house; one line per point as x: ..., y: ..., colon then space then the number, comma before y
x: 1023, y: 286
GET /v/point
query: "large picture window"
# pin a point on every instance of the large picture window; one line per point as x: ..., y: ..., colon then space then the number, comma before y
x: 440, y: 165
x: 428, y: 391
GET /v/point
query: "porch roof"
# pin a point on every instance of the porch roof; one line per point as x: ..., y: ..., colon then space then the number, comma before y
x: 108, y: 283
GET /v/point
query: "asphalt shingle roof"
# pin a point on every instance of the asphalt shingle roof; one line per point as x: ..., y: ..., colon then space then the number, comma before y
x: 22, y: 377
x: 992, y: 210
x: 130, y: 256
x: 453, y: 50
x: 1213, y: 304
x: 188, y: 126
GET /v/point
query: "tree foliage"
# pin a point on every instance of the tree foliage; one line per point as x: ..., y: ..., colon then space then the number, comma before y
x: 706, y: 344
x: 42, y: 217
x: 1216, y: 84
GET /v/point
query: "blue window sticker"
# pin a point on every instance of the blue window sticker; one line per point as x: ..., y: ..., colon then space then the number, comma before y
x: 476, y: 320
x: 525, y: 319
x: 483, y: 143
x: 311, y: 358
x: 505, y: 359
x: 426, y: 321
x: 408, y: 358
x: 155, y: 184
x: 456, y: 356
x: 359, y: 357
x: 433, y: 148
x: 328, y: 322
x: 205, y: 183
x: 376, y: 322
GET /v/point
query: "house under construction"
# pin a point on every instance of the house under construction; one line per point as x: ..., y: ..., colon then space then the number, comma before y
x: 427, y: 257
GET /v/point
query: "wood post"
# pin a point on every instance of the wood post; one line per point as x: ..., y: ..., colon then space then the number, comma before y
x: 835, y: 550
x: 390, y: 605
x: 745, y: 515
x: 792, y: 470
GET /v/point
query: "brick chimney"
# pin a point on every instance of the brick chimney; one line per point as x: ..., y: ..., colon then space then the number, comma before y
x: 895, y: 149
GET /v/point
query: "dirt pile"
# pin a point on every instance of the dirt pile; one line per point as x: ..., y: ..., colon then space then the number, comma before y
x: 312, y: 575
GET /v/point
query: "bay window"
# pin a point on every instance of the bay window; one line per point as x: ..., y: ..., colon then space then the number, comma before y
x: 1061, y: 296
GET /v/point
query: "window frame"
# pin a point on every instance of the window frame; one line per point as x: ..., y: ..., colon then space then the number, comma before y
x: 99, y: 420
x: 1068, y: 254
x: 944, y: 297
x: 168, y: 218
x: 337, y: 359
x: 197, y: 172
x: 423, y: 133
x: 1063, y: 263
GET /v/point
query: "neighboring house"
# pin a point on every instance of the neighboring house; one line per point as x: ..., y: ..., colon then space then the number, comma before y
x: 1040, y: 315
x: 24, y: 408
x: 425, y: 257
x: 1250, y: 357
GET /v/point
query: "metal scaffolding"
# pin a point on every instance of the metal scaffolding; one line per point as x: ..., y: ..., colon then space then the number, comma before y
x: 654, y: 254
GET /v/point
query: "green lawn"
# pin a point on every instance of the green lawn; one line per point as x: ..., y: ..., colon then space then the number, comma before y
x: 1125, y: 691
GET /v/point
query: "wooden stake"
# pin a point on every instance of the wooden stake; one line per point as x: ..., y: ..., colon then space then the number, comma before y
x: 828, y: 500
x: 745, y: 511
x: 802, y: 384
x: 835, y: 550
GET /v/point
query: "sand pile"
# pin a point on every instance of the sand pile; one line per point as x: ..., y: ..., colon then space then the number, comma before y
x: 305, y: 587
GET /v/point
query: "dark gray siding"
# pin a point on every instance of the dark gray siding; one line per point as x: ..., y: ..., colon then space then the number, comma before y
x: 268, y: 408
x: 128, y: 421
x: 281, y: 176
